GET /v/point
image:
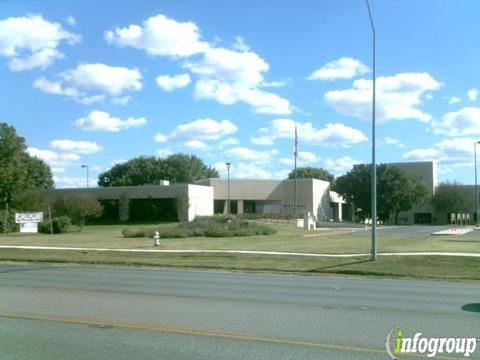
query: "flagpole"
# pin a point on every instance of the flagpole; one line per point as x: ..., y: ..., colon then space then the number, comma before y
x: 295, y: 153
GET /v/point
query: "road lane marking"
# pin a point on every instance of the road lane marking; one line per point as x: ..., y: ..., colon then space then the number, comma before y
x: 201, y: 332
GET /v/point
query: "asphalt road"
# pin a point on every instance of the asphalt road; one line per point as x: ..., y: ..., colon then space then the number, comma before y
x: 71, y: 312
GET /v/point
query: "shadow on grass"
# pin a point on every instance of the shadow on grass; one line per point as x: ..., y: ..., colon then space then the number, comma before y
x: 464, y: 241
x: 339, y: 266
x: 475, y: 307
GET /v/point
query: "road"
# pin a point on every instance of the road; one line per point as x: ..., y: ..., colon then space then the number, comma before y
x: 73, y: 312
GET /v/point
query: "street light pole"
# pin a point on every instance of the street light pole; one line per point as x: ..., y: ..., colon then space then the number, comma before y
x: 476, y: 185
x: 86, y: 166
x: 374, y: 164
x: 228, y: 188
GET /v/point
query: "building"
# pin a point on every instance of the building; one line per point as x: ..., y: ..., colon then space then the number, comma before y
x: 210, y: 196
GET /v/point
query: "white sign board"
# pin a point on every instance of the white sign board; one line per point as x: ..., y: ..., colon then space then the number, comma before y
x: 29, y: 228
x: 24, y: 218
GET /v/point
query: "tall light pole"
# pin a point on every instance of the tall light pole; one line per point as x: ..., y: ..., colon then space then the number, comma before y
x: 476, y: 185
x: 5, y: 224
x: 374, y: 164
x: 86, y: 167
x: 228, y: 187
x: 295, y: 154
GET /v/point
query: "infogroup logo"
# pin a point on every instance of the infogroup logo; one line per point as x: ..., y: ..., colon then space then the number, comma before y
x: 397, y: 343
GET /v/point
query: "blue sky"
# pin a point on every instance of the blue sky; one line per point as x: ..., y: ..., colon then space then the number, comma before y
x: 96, y: 83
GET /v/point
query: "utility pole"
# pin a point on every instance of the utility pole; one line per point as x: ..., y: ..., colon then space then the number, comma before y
x: 374, y: 164
x: 476, y: 184
x: 295, y: 154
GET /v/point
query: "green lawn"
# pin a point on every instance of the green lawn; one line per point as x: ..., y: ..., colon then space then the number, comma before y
x: 287, y: 239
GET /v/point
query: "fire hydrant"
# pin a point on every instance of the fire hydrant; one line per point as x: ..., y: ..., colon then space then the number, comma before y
x: 156, y: 238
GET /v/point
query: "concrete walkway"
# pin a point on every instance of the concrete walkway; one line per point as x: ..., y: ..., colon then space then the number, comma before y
x: 276, y: 253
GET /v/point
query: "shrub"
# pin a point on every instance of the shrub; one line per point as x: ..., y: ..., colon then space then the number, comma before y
x: 60, y: 225
x: 207, y: 226
x: 79, y: 207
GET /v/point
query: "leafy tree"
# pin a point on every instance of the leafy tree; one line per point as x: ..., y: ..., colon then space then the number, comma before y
x: 19, y: 170
x: 312, y: 173
x: 79, y: 207
x: 453, y: 197
x: 145, y: 170
x: 30, y: 200
x: 397, y: 190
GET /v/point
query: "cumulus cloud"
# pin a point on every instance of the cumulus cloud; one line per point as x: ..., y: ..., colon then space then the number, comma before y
x: 456, y: 151
x: 398, y: 97
x: 200, y: 129
x: 229, y: 76
x: 76, y: 147
x: 68, y: 182
x: 245, y: 154
x: 343, y: 68
x: 387, y: 140
x: 71, y: 21
x: 304, y: 158
x: 472, y: 94
x: 454, y: 100
x: 160, y: 36
x: 465, y: 121
x: 79, y: 83
x: 333, y: 134
x: 224, y: 75
x: 228, y: 142
x: 32, y: 42
x: 341, y: 165
x: 196, y: 144
x: 56, y: 160
x: 164, y: 153
x: 103, y: 121
x: 170, y: 83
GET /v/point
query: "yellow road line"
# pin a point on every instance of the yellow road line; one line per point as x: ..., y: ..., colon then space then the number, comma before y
x: 201, y: 332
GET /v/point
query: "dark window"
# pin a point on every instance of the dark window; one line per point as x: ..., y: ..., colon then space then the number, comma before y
x: 423, y: 218
x: 249, y: 206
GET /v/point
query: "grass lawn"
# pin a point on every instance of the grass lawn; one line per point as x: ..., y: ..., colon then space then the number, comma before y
x: 287, y: 239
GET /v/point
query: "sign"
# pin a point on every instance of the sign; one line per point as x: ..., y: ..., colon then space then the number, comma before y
x: 24, y: 218
x: 29, y: 228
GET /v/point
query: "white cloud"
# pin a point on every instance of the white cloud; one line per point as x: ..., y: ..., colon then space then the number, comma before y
x: 229, y: 76
x: 112, y: 80
x: 333, y: 134
x: 196, y: 144
x: 164, y: 153
x: 240, y: 44
x: 124, y: 100
x: 76, y: 147
x: 56, y: 160
x: 170, y: 83
x: 245, y: 154
x: 456, y: 151
x: 343, y: 68
x: 66, y: 182
x: 228, y: 142
x: 251, y: 171
x: 103, y: 121
x: 398, y: 97
x: 465, y: 121
x: 200, y: 129
x: 454, y: 100
x: 160, y: 36
x: 387, y: 140
x: 32, y: 42
x: 472, y: 94
x: 85, y: 78
x: 71, y: 21
x: 303, y: 158
x: 341, y: 165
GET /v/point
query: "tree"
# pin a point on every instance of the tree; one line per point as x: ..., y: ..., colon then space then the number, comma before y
x: 397, y: 190
x: 19, y: 170
x: 312, y: 173
x: 79, y: 207
x: 146, y: 170
x: 452, y: 197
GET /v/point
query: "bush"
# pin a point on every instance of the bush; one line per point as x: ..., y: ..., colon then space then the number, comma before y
x: 207, y: 226
x: 60, y: 225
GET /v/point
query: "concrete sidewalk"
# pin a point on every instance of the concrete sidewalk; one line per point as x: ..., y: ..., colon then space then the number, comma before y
x: 274, y: 253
